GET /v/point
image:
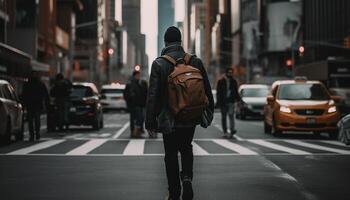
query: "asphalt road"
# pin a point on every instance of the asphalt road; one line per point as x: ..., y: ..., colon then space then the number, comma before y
x: 107, y: 164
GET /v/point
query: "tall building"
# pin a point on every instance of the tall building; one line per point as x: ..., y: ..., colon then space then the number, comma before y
x: 166, y: 18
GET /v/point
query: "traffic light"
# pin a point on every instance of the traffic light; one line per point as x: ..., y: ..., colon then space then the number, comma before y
x: 289, y: 63
x: 137, y: 68
x: 301, y: 50
x: 347, y: 42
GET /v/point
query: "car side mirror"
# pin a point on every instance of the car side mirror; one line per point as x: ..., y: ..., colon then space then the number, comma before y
x: 336, y: 99
x: 270, y: 99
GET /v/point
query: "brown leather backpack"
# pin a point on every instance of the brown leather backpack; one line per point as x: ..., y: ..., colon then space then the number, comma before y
x: 187, y: 97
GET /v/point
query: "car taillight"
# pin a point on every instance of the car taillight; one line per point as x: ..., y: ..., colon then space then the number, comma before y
x: 89, y: 101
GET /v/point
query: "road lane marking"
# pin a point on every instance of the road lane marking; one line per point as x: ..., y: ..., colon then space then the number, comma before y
x: 235, y: 147
x: 87, y: 147
x: 319, y: 147
x: 197, y: 150
x: 235, y: 135
x: 120, y: 131
x: 36, y: 147
x: 105, y: 135
x: 76, y: 135
x: 336, y: 143
x: 279, y: 147
x: 112, y: 126
x: 135, y: 147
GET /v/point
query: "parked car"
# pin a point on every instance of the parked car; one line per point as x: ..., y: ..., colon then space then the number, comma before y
x: 112, y: 96
x: 11, y: 114
x: 86, y: 108
x: 301, y: 105
x: 254, y: 99
x: 344, y: 130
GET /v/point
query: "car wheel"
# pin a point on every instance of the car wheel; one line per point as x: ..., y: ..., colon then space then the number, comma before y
x: 267, y: 128
x: 333, y: 134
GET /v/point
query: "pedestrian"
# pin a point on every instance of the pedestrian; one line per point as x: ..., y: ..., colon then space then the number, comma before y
x: 227, y: 96
x: 35, y: 96
x: 170, y: 109
x: 61, y: 92
x: 135, y: 95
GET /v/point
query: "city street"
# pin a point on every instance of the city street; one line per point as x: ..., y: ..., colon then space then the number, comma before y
x: 107, y: 164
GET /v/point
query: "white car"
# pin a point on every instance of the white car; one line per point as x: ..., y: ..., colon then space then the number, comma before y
x: 112, y: 96
x: 11, y: 114
x: 254, y: 99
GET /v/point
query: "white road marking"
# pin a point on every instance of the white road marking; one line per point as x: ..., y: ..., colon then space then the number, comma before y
x: 236, y: 136
x: 279, y: 147
x: 197, y: 150
x: 104, y: 135
x: 112, y: 126
x: 120, y: 131
x: 74, y: 136
x: 319, y: 147
x: 336, y: 143
x: 87, y: 147
x: 235, y: 147
x: 36, y: 147
x: 135, y: 147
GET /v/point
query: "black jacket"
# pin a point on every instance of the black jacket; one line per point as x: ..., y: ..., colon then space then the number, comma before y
x: 221, y: 95
x: 158, y: 115
x: 34, y: 94
x: 135, y: 93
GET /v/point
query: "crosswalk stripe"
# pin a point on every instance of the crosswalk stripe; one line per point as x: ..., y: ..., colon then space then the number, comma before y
x: 279, y: 147
x: 336, y: 143
x: 74, y: 136
x: 120, y: 131
x: 197, y: 150
x: 135, y: 147
x: 36, y: 147
x: 105, y: 135
x: 319, y: 147
x: 87, y: 147
x: 235, y: 147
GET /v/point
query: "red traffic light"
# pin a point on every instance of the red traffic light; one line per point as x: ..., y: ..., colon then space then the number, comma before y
x: 289, y: 62
x: 137, y: 68
x: 301, y: 49
x: 110, y: 51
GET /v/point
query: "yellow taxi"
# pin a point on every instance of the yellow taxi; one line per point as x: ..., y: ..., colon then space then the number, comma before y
x: 300, y: 105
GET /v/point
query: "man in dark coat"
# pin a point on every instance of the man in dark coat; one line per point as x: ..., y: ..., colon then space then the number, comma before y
x: 227, y: 96
x: 61, y: 92
x: 177, y: 137
x: 35, y: 96
x: 135, y: 95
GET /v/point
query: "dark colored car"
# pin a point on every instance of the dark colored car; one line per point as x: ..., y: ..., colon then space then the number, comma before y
x: 86, y: 107
x: 11, y: 114
x: 254, y: 100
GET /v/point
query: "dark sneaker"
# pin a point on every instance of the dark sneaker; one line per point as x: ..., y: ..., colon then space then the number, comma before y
x: 187, y: 193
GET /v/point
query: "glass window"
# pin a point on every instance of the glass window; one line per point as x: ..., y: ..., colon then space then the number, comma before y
x: 81, y: 91
x: 112, y: 91
x: 7, y: 93
x: 303, y: 92
x: 254, y: 92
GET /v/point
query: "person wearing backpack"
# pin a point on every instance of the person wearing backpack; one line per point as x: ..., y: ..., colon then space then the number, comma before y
x: 227, y: 96
x: 179, y: 99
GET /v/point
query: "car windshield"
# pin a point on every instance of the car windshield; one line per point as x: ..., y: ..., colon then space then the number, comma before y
x: 254, y: 92
x: 303, y: 92
x: 81, y: 91
x: 112, y: 91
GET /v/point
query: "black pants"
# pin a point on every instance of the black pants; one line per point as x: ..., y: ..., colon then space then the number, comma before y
x: 179, y: 141
x: 136, y: 117
x: 34, y: 122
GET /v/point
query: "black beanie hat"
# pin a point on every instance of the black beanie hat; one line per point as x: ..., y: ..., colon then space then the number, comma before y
x: 172, y: 34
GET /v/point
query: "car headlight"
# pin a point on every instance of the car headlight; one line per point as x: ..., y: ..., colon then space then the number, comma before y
x: 332, y: 109
x: 285, y: 109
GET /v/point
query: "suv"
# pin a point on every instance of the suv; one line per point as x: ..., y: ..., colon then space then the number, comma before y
x: 301, y: 105
x: 86, y: 108
x: 11, y: 114
x: 112, y: 96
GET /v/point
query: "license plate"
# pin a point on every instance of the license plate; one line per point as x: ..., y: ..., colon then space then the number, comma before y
x: 311, y: 120
x: 73, y: 109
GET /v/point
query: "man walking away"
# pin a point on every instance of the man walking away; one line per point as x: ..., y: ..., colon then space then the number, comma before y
x: 61, y: 92
x: 177, y: 118
x: 34, y: 95
x: 135, y: 95
x: 227, y: 96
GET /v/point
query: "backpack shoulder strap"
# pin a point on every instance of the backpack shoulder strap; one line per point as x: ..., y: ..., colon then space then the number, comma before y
x: 187, y: 58
x: 169, y: 59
